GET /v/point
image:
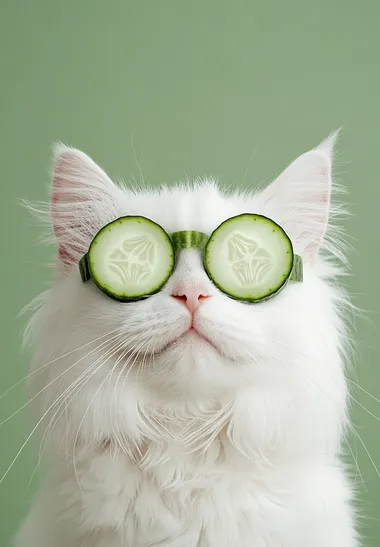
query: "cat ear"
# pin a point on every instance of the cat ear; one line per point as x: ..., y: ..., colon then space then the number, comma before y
x: 299, y: 199
x: 82, y: 202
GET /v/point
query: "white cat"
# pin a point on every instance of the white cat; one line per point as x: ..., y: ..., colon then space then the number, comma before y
x: 230, y: 436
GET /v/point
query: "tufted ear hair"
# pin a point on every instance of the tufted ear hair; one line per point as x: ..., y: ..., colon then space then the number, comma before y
x: 299, y: 199
x: 83, y: 199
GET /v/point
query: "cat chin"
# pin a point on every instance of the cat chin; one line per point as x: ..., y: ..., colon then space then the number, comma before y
x: 185, y: 352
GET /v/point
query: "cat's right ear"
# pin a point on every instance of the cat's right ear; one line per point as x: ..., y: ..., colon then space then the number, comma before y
x: 299, y: 199
x: 82, y: 201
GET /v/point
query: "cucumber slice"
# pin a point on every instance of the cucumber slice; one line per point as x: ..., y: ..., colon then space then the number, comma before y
x: 250, y: 257
x: 129, y: 258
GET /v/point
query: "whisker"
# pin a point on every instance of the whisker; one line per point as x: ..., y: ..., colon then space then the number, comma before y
x: 86, y: 373
x: 135, y: 353
x: 62, y: 395
x: 89, y: 406
x: 321, y: 363
x: 137, y: 162
x: 357, y: 468
x: 351, y: 425
x: 55, y: 418
x: 53, y: 361
x: 51, y: 382
x: 366, y: 449
x: 27, y: 440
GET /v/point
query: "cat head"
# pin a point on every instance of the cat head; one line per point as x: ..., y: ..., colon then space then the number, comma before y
x: 170, y: 350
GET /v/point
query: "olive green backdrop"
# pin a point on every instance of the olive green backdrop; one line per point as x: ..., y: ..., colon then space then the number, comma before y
x: 234, y: 89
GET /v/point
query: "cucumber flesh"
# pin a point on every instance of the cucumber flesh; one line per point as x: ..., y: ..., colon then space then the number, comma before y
x: 250, y: 257
x: 129, y: 258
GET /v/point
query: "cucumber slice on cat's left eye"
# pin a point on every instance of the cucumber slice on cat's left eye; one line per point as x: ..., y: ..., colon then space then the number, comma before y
x: 129, y: 258
x: 250, y: 257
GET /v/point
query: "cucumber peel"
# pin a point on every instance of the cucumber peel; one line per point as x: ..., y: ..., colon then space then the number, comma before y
x: 297, y: 271
x: 189, y: 239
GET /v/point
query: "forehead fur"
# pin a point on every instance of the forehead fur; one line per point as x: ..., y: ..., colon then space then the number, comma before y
x: 200, y: 206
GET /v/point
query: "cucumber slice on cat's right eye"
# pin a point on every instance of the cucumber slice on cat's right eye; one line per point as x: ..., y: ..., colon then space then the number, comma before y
x: 129, y: 258
x: 250, y: 257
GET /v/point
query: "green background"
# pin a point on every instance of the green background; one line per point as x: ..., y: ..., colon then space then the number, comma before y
x: 234, y: 89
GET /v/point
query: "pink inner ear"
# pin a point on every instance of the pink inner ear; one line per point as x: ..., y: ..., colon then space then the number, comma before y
x: 300, y: 199
x: 63, y: 226
x: 66, y: 253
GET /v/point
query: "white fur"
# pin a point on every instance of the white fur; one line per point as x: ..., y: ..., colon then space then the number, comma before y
x: 232, y: 444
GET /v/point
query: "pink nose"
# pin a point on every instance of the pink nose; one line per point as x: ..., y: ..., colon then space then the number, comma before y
x: 190, y: 295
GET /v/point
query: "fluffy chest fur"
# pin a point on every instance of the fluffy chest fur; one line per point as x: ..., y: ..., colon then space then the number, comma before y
x: 187, y: 500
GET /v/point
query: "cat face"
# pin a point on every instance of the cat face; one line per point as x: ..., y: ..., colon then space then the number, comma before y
x: 190, y: 338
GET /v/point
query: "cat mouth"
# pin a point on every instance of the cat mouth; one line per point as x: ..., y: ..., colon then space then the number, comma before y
x: 186, y: 339
x: 189, y: 336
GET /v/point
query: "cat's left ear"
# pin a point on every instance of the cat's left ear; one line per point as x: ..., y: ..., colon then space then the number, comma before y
x: 299, y: 199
